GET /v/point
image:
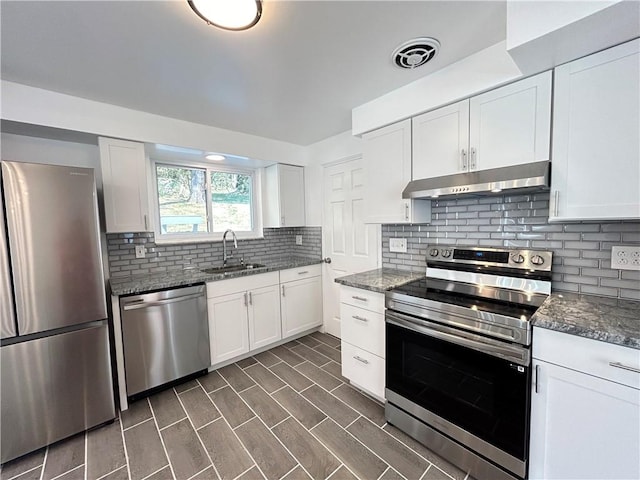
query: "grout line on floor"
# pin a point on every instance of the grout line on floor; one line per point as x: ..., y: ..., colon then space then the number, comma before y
x: 173, y: 423
x: 336, y: 469
x: 296, y: 466
x: 189, y: 389
x: 124, y: 444
x: 212, y: 421
x: 137, y: 424
x: 204, y: 447
x: 164, y: 447
x: 112, y: 471
x: 357, y: 418
x: 69, y: 471
x: 281, y: 421
x: 159, y: 470
x: 205, y: 468
x: 86, y: 453
x: 27, y: 471
x: 44, y: 462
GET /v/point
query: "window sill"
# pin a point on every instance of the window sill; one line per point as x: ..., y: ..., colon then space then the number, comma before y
x: 197, y: 239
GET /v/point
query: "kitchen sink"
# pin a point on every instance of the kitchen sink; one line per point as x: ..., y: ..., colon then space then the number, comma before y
x: 232, y: 268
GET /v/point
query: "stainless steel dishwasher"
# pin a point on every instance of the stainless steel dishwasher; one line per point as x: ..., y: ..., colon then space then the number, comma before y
x: 165, y: 336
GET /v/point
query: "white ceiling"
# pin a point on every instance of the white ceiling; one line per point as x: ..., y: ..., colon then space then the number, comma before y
x: 294, y: 77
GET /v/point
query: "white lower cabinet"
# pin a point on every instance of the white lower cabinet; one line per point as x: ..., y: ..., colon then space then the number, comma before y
x: 244, y: 315
x: 362, y: 335
x: 584, y: 424
x: 300, y: 299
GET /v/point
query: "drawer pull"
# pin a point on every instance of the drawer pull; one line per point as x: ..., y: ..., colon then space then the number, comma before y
x: 624, y: 367
x: 360, y: 359
x: 304, y: 272
x: 362, y: 299
x: 357, y: 317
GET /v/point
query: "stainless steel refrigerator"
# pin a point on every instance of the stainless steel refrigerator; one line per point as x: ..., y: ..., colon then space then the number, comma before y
x: 54, y: 344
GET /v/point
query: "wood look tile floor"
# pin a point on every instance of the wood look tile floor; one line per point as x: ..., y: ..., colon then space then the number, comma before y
x: 282, y: 414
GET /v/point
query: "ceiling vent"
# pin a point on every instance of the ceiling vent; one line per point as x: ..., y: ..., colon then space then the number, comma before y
x: 415, y: 52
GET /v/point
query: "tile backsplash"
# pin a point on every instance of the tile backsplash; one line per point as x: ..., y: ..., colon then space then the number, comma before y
x: 582, y: 251
x: 277, y: 242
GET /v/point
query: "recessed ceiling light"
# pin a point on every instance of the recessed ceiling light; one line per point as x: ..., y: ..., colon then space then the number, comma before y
x: 228, y: 14
x: 216, y: 157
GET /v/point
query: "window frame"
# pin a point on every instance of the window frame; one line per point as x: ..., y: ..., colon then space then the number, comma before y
x: 210, y: 236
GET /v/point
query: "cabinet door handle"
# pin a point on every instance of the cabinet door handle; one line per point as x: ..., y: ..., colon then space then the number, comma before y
x: 146, y: 222
x: 535, y: 384
x: 304, y: 272
x: 362, y: 299
x: 406, y: 210
x: 358, y: 317
x: 472, y: 163
x: 283, y: 290
x: 556, y: 198
x: 282, y: 220
x: 624, y: 367
x: 245, y: 299
x: 250, y: 299
x: 360, y: 359
x: 463, y: 157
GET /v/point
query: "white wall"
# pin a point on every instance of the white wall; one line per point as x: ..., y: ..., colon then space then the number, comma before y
x: 481, y: 71
x: 332, y: 149
x: 542, y: 35
x: 19, y: 148
x: 36, y: 106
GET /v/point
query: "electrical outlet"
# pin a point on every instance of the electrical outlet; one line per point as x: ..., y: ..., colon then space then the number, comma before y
x: 625, y: 257
x: 298, y: 239
x: 398, y: 245
x: 140, y: 251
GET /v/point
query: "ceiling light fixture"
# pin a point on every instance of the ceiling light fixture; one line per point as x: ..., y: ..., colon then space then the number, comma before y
x: 228, y: 14
x: 216, y: 157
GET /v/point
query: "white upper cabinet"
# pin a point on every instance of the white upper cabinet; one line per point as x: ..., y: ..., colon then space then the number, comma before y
x: 511, y: 125
x: 441, y: 141
x: 596, y: 137
x: 124, y: 175
x: 284, y: 196
x: 506, y: 126
x: 387, y: 161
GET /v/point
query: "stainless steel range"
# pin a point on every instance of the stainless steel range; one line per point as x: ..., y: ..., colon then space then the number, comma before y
x: 458, y: 358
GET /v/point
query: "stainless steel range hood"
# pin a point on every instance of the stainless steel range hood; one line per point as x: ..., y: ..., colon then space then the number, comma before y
x: 525, y: 178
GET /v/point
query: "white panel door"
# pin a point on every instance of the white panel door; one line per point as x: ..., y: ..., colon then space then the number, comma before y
x: 596, y: 136
x: 228, y: 326
x: 441, y: 141
x: 511, y: 125
x: 583, y: 427
x: 352, y: 245
x: 264, y: 316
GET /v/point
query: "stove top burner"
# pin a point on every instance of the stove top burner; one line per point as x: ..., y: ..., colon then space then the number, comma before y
x: 489, y: 291
x: 470, y: 296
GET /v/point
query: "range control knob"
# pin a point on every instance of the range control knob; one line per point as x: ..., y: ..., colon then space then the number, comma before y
x: 446, y: 253
x: 517, y: 258
x: 537, y: 260
x: 433, y: 252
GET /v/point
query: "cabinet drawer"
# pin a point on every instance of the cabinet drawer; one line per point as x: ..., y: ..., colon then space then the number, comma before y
x: 241, y: 284
x: 363, y: 328
x: 299, y: 273
x: 588, y: 356
x: 366, y: 299
x: 364, y: 369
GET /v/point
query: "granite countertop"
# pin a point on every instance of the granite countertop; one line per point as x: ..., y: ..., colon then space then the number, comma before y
x: 600, y: 318
x: 157, y: 281
x: 380, y: 279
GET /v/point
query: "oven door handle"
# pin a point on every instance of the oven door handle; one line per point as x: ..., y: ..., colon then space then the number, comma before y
x: 512, y: 353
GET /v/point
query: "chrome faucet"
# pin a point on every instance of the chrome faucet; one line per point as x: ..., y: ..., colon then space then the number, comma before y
x: 225, y: 257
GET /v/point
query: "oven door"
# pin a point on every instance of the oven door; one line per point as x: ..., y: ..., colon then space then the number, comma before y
x: 472, y: 388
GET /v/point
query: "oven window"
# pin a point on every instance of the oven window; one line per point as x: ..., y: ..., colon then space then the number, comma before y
x: 482, y: 394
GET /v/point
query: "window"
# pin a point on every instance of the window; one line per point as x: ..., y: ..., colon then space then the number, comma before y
x: 186, y: 211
